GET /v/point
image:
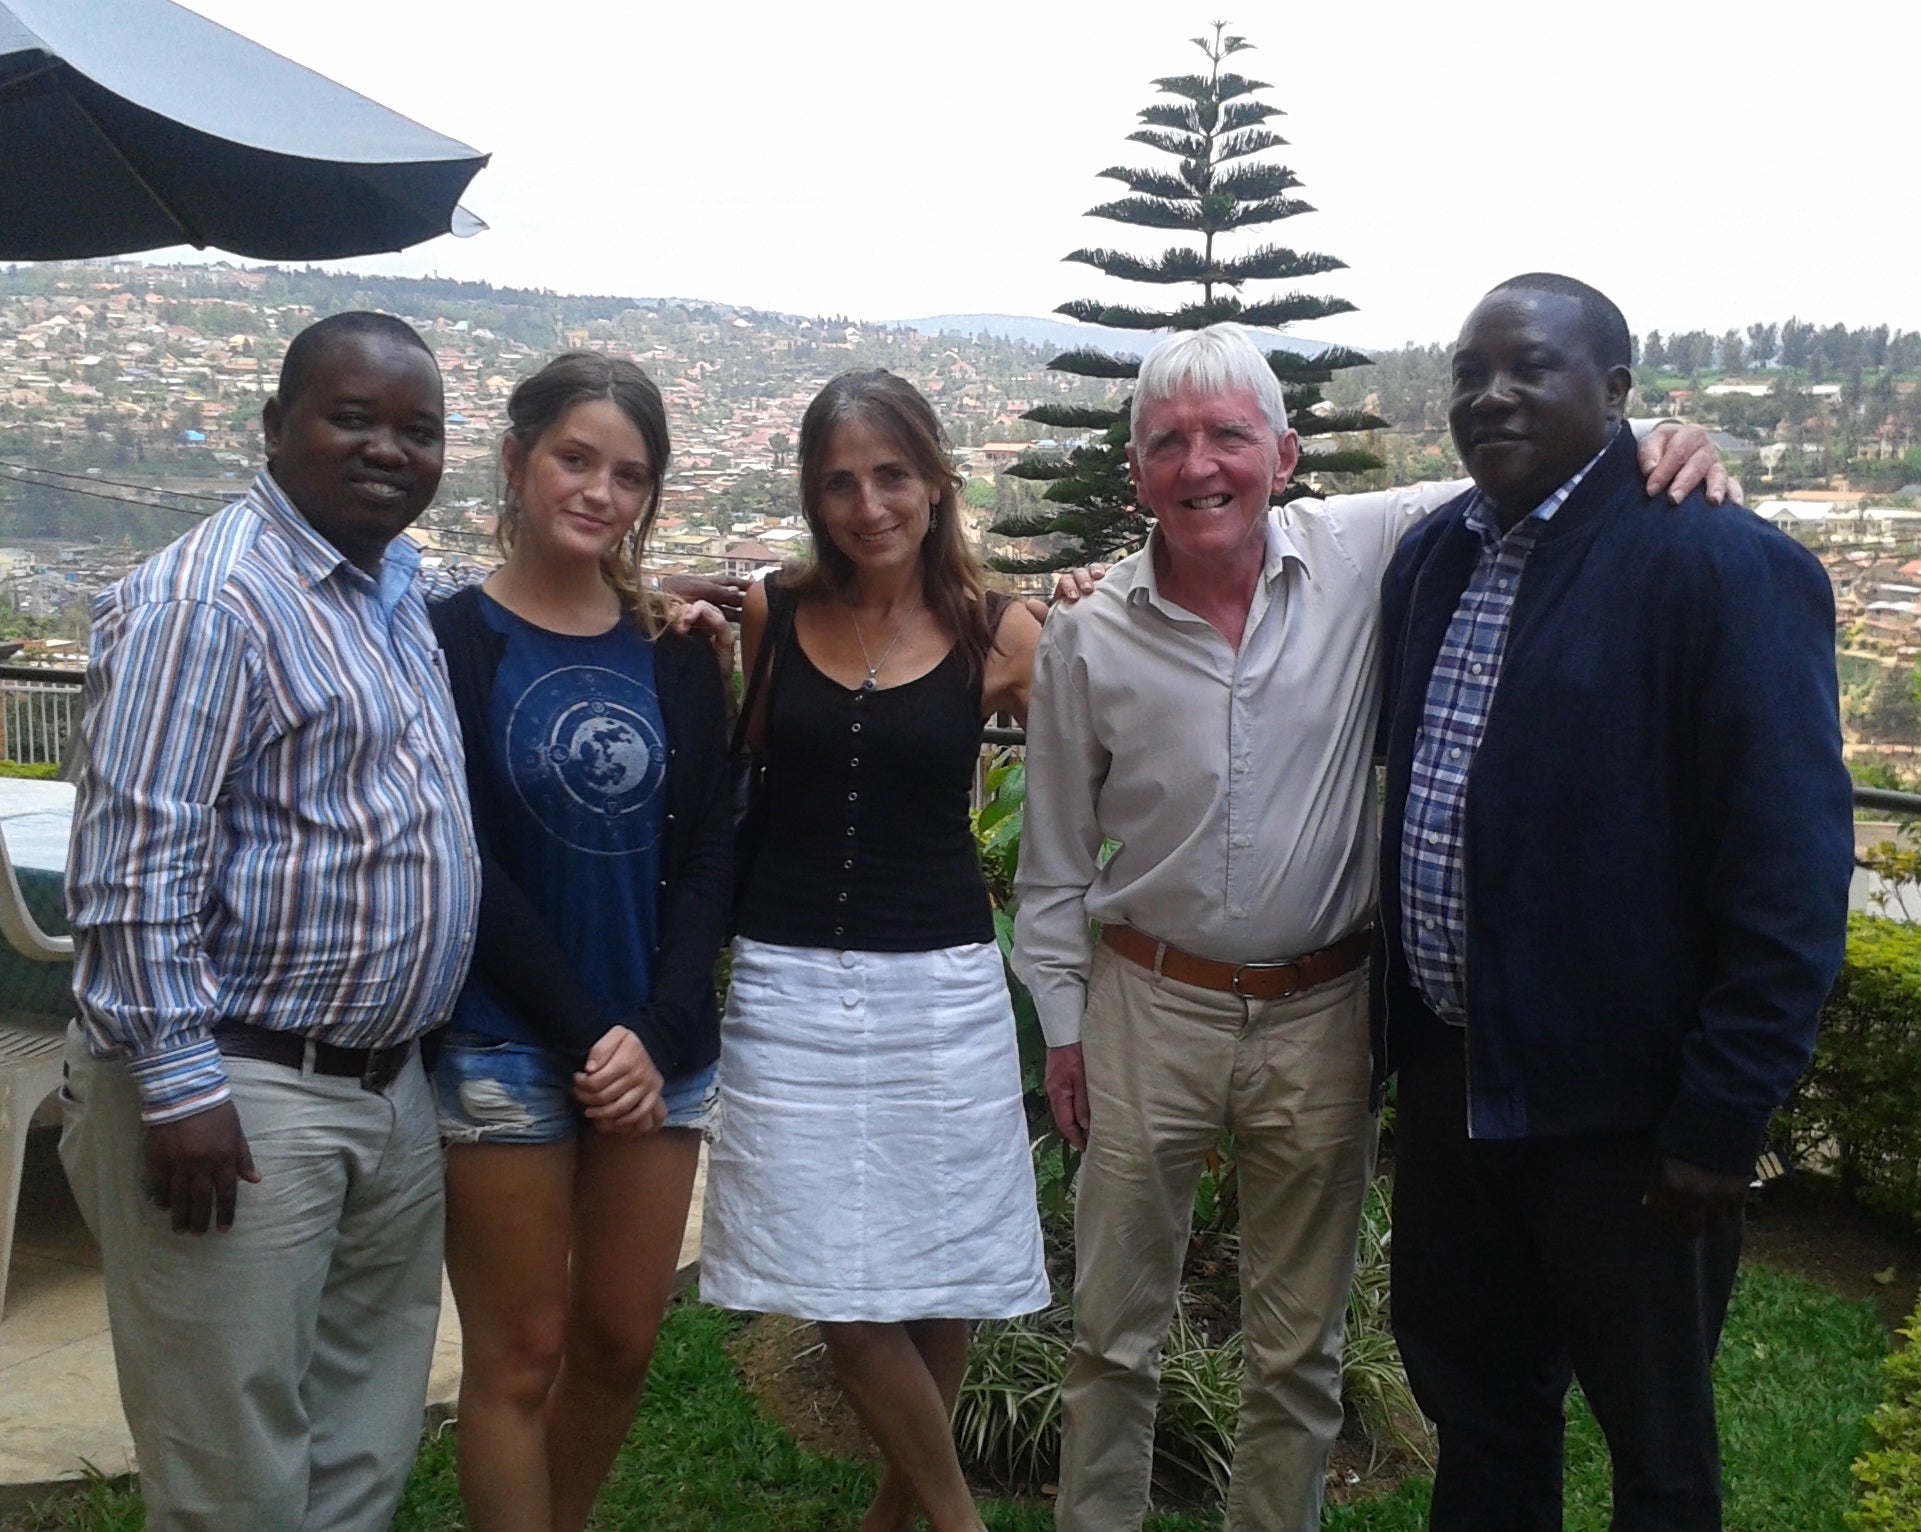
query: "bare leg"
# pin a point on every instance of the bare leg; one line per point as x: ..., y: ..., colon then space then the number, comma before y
x: 902, y: 1384
x: 630, y: 1210
x: 942, y: 1344
x: 509, y: 1218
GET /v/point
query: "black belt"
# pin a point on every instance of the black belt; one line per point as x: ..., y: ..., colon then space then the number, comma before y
x: 374, y: 1068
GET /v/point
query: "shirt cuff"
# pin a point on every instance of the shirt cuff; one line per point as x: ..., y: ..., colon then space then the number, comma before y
x: 179, y: 1082
x: 1060, y: 1016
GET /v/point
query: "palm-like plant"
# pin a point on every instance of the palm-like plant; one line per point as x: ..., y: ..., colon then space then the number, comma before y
x: 1216, y: 130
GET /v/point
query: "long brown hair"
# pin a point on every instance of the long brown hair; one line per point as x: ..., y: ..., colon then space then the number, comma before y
x: 952, y: 583
x: 539, y: 403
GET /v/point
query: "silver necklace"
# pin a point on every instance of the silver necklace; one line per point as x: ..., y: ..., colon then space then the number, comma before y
x: 874, y: 665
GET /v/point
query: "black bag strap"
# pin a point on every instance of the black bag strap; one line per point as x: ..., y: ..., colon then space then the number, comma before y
x: 780, y: 622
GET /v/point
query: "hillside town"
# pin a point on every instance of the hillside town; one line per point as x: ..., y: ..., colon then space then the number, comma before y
x: 132, y: 394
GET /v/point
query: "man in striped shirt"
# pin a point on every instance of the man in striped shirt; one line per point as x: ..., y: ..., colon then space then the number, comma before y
x: 273, y: 891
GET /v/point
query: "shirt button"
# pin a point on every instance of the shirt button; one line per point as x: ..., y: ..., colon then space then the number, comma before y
x: 840, y: 930
x: 1428, y: 922
x: 1475, y: 670
x: 1453, y: 754
x: 847, y: 959
x: 1433, y: 839
x: 850, y: 997
x: 1502, y: 584
x: 855, y: 761
x: 846, y: 866
x: 841, y: 897
x: 850, y: 829
x: 857, y: 728
x: 855, y: 797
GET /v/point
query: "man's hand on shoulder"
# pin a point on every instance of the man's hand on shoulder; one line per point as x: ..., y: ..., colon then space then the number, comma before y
x: 1067, y: 1092
x: 1070, y: 585
x: 724, y: 591
x: 1679, y: 458
x: 195, y: 1166
x: 1688, y: 1198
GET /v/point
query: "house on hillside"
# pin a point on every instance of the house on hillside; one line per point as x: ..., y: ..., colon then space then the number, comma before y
x: 749, y: 559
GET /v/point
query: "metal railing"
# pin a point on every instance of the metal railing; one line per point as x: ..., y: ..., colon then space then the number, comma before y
x: 39, y: 708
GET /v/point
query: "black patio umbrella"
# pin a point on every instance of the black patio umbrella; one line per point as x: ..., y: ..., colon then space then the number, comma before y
x: 126, y: 125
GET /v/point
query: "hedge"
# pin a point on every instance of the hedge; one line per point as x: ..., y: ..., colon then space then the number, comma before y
x: 1889, y: 1474
x: 1859, y: 1109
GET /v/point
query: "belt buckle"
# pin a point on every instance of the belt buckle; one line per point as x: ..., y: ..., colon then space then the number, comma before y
x: 1292, y: 989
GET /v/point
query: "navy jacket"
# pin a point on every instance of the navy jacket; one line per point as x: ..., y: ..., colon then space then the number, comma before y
x: 1658, y: 826
x: 529, y: 970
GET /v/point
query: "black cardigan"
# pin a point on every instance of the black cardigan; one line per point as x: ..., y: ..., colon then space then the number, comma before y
x: 516, y: 951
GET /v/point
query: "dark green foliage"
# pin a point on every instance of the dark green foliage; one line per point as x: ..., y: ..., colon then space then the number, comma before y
x: 1861, y: 1101
x: 1889, y: 1474
x: 1213, y: 128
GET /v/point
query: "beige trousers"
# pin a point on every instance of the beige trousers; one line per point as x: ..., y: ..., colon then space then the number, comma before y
x: 273, y: 1375
x: 1169, y: 1067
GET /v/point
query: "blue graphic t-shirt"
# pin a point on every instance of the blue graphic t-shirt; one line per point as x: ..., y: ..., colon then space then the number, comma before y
x: 576, y: 734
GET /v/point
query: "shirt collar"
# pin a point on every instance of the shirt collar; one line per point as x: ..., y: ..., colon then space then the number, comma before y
x: 1481, y: 516
x: 316, y: 559
x: 1279, y: 547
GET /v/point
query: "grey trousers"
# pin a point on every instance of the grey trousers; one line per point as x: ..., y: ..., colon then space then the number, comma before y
x: 273, y: 1375
x: 1169, y: 1066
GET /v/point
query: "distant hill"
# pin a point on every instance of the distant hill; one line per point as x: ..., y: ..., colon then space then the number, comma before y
x: 1064, y: 335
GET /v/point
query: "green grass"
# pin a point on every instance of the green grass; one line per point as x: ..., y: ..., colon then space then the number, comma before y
x: 1799, y: 1372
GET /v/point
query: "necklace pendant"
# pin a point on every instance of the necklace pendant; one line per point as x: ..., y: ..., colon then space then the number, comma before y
x: 870, y: 683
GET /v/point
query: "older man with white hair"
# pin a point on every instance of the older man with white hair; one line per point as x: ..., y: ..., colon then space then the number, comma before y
x: 1210, y: 708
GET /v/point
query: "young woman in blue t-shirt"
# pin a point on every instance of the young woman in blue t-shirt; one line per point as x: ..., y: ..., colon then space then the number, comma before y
x: 578, y: 1071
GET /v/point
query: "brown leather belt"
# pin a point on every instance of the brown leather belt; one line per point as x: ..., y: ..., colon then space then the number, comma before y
x: 374, y: 1068
x: 1251, y: 981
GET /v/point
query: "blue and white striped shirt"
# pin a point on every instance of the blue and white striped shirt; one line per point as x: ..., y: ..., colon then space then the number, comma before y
x: 1453, y: 720
x: 273, y: 824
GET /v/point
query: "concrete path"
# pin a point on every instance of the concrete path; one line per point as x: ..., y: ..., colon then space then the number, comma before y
x: 59, y: 1403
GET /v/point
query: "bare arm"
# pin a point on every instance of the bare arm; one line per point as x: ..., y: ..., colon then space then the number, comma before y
x: 1010, y: 664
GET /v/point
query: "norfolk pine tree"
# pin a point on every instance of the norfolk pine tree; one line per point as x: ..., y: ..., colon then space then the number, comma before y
x: 1216, y: 130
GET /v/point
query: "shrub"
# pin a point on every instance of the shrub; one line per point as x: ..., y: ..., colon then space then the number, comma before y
x: 1860, y: 1105
x: 43, y: 771
x: 1889, y: 1474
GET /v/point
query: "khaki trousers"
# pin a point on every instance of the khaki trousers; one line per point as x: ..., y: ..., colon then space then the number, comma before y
x: 1169, y: 1067
x: 273, y: 1375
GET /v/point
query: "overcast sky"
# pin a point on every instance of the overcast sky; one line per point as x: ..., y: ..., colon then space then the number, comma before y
x: 1706, y: 164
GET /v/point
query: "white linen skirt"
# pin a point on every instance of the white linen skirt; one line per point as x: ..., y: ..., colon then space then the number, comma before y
x: 871, y: 1158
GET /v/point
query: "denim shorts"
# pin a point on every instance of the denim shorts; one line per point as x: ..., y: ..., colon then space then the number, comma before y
x: 492, y: 1091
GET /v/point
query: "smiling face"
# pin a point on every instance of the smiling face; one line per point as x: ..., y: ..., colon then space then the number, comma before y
x: 583, y: 485
x: 1207, y: 465
x: 1531, y: 402
x: 872, y: 502
x: 359, y: 450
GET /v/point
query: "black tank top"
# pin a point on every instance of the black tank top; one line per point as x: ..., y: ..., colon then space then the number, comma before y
x: 869, y: 846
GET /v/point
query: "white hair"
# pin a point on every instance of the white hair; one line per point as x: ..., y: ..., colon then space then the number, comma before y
x: 1216, y: 360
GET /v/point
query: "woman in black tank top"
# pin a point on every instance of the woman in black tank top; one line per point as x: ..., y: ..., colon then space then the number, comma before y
x: 872, y: 1172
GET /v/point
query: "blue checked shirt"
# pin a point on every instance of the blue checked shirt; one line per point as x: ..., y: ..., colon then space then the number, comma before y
x: 273, y: 825
x: 1453, y: 719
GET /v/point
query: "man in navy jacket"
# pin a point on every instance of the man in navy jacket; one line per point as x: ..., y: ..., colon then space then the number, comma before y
x: 1614, y: 885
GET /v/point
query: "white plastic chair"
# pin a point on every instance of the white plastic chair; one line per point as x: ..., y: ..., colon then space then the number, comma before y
x: 30, y: 1055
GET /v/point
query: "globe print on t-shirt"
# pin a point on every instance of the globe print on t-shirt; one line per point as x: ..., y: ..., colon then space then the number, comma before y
x: 587, y: 759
